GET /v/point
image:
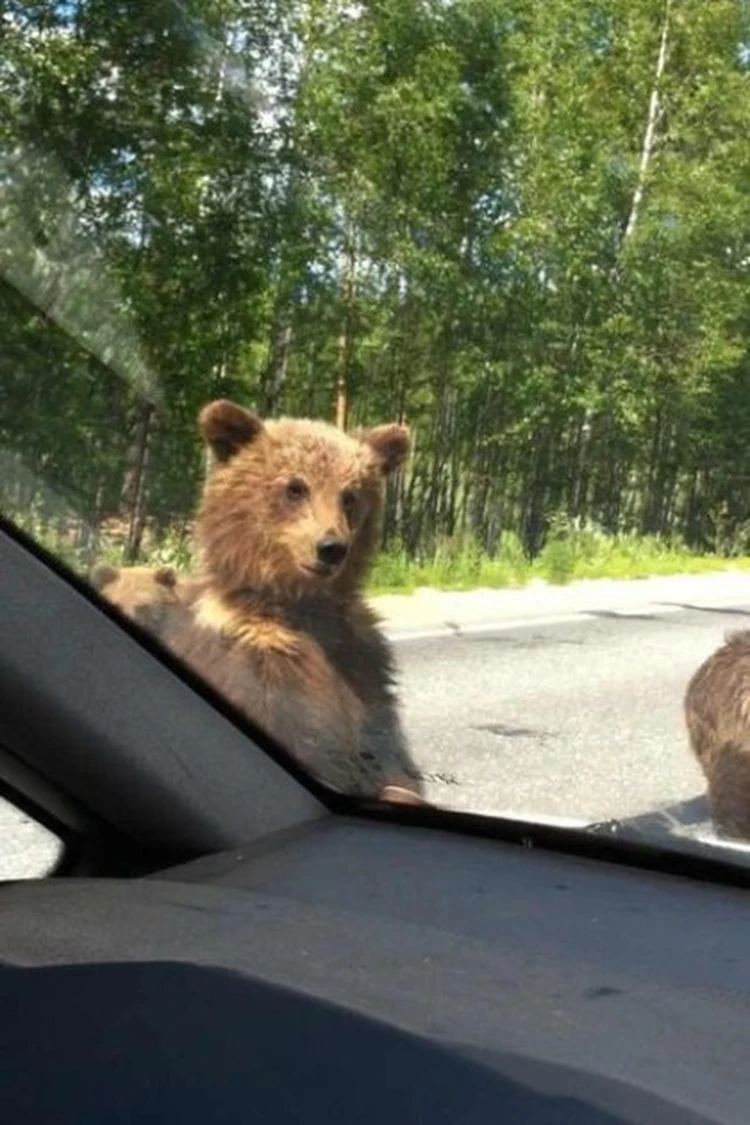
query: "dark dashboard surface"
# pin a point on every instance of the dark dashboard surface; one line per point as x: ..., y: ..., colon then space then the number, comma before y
x: 364, y: 972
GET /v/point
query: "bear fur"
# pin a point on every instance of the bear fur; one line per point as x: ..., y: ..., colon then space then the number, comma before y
x: 717, y: 713
x: 140, y: 592
x: 277, y: 623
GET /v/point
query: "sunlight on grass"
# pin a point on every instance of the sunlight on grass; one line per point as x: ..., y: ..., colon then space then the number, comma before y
x: 571, y: 553
x: 454, y: 566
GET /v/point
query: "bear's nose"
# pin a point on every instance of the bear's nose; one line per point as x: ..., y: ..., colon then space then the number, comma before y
x: 332, y: 552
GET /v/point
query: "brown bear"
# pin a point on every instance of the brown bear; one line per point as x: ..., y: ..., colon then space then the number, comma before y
x: 140, y: 592
x: 717, y: 712
x: 286, y: 530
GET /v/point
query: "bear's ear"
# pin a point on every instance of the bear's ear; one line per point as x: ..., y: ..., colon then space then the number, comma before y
x: 102, y: 575
x: 226, y: 427
x: 165, y: 576
x: 390, y: 444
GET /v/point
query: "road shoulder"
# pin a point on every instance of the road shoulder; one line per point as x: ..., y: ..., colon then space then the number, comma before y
x: 429, y: 612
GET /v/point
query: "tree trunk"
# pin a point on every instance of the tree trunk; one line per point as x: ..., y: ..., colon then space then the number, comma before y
x: 134, y: 486
x: 649, y: 137
x: 277, y: 372
x: 344, y: 342
x: 647, y: 150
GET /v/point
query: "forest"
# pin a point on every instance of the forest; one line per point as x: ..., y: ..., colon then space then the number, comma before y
x: 523, y: 226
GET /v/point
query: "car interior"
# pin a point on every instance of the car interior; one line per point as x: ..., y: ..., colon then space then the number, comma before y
x: 225, y: 940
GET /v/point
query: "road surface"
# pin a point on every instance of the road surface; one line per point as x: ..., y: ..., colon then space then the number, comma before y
x: 568, y: 707
x: 578, y: 719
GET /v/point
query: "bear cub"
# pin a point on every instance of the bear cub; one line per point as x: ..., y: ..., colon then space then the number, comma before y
x: 717, y: 713
x: 140, y: 592
x: 287, y: 528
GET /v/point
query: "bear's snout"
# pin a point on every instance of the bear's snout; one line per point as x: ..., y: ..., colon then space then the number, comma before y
x: 332, y: 552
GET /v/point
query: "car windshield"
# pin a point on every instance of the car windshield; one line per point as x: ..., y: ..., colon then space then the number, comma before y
x: 388, y: 362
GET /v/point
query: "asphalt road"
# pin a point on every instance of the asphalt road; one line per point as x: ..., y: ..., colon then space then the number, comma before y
x: 580, y: 719
x: 26, y: 849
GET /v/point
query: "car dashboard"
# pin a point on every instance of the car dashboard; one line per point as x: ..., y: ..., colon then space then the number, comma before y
x: 357, y: 971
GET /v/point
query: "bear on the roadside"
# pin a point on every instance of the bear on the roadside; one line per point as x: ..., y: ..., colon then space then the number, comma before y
x: 277, y: 622
x: 717, y: 712
x: 140, y: 592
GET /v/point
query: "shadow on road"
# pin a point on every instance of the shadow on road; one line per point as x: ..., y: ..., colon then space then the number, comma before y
x: 672, y: 820
x: 615, y: 615
x: 737, y: 611
x: 504, y: 730
x: 684, y: 827
x: 510, y: 639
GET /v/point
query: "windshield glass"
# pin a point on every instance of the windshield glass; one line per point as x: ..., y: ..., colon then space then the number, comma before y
x: 367, y: 355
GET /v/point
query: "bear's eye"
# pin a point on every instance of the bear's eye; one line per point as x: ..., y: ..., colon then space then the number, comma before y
x: 349, y: 502
x: 296, y: 489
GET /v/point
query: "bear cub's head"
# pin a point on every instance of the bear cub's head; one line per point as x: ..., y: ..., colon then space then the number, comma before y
x: 292, y: 506
x: 136, y: 589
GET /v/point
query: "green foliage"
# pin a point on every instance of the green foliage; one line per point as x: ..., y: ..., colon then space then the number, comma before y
x: 576, y: 549
x: 523, y: 227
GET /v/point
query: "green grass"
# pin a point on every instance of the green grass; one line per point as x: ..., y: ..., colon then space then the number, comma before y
x: 570, y: 554
x: 452, y: 567
x: 573, y: 551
